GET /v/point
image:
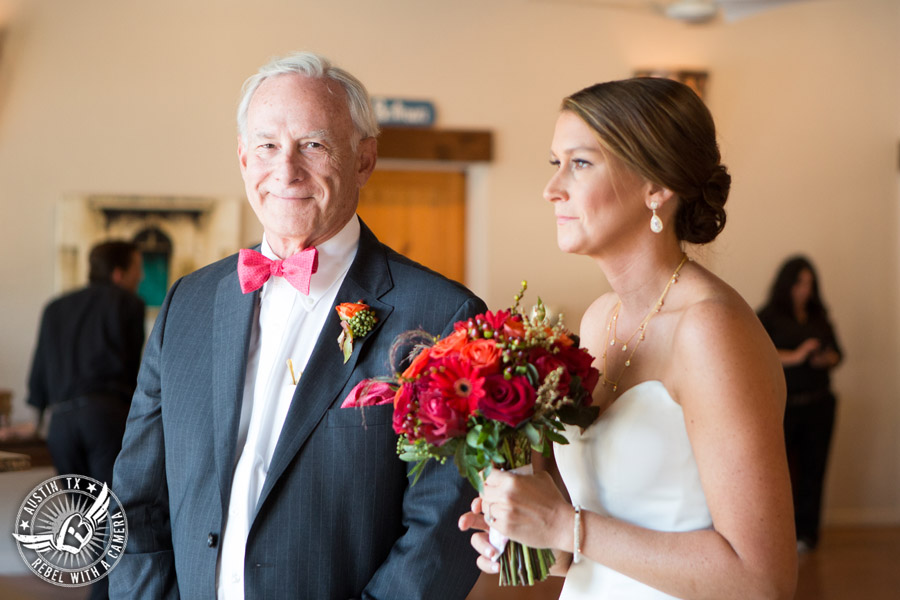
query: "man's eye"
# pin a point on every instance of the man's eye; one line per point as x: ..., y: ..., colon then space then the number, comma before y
x: 266, y: 146
x: 313, y: 146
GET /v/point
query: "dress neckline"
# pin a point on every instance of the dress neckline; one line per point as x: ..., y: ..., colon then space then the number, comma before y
x: 627, y: 392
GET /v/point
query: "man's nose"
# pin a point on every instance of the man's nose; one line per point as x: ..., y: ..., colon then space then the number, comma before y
x: 290, y: 167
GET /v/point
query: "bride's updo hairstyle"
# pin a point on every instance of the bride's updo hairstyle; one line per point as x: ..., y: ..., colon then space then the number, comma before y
x: 659, y: 129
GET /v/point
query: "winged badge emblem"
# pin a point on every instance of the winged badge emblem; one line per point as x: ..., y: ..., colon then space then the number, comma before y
x: 75, y: 532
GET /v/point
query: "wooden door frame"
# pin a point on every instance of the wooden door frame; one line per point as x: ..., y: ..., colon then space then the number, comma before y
x: 469, y: 151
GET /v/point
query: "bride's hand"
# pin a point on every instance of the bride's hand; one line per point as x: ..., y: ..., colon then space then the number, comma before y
x: 476, y: 520
x: 529, y: 509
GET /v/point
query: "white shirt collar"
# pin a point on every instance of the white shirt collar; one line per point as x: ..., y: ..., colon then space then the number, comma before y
x: 336, y: 254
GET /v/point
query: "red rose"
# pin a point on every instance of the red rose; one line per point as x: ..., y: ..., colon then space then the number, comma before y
x: 546, y: 363
x: 440, y: 420
x: 369, y: 393
x: 579, y: 362
x: 509, y: 401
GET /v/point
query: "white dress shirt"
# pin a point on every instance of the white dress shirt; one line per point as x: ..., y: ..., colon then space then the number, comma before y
x: 287, y: 327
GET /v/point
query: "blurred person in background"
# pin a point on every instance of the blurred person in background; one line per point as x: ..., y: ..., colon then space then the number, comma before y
x: 797, y: 321
x: 86, y: 363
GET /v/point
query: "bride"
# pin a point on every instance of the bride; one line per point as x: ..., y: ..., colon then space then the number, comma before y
x: 680, y: 489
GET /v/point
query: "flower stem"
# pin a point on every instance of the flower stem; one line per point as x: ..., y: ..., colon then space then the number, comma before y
x: 528, y: 569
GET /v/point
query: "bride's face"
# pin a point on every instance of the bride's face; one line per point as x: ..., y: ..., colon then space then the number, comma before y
x: 595, y: 198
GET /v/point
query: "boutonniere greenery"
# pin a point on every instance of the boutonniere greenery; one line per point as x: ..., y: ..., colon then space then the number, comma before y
x: 357, y: 319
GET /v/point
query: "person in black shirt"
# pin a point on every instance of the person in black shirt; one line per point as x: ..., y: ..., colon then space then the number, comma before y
x: 797, y: 321
x: 86, y: 362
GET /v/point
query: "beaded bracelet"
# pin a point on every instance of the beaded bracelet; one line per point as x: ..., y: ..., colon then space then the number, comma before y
x: 576, y: 555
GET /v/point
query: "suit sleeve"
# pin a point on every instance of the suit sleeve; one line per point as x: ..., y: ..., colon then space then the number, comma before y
x: 38, y: 394
x: 147, y: 568
x: 433, y: 559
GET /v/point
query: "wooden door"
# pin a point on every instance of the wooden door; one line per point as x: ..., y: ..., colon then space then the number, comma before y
x: 420, y: 214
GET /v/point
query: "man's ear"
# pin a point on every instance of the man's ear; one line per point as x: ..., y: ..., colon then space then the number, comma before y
x: 242, y: 154
x: 366, y: 157
x: 117, y: 276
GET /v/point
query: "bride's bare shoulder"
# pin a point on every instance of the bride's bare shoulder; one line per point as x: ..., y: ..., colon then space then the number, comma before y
x: 717, y: 323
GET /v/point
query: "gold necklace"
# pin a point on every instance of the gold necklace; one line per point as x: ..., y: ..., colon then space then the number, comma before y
x: 611, y: 326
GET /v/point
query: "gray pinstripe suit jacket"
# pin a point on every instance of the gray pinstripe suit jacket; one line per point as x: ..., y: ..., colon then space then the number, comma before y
x: 336, y: 518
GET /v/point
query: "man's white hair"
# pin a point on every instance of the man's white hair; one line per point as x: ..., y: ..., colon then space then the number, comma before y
x: 312, y: 65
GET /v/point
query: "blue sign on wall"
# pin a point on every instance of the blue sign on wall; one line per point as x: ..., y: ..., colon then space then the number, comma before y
x: 400, y: 112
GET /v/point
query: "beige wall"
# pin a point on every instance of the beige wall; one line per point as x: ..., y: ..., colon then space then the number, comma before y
x: 116, y: 96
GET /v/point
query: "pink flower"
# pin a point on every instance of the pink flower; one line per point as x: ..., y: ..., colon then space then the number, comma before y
x: 369, y: 393
x: 495, y: 320
x: 440, y: 420
x: 404, y: 420
x: 509, y: 401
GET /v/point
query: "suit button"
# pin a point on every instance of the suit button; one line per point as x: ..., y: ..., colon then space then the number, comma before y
x: 212, y: 540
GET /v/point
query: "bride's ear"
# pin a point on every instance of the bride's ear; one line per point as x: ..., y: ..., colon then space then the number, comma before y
x: 654, y: 192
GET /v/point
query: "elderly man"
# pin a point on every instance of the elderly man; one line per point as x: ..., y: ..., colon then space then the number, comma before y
x: 240, y: 474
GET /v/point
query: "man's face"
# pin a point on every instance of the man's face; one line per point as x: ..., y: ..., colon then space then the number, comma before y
x: 131, y: 277
x: 301, y: 172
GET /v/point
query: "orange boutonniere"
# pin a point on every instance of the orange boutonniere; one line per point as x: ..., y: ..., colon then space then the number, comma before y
x: 357, y: 319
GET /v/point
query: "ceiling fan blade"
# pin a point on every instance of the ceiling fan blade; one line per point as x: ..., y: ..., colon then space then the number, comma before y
x: 734, y: 10
x: 691, y: 11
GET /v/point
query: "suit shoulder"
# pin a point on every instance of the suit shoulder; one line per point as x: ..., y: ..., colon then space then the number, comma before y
x: 211, y: 272
x: 408, y: 272
x: 85, y: 296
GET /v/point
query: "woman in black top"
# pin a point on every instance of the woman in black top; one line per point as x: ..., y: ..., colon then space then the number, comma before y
x: 798, y: 323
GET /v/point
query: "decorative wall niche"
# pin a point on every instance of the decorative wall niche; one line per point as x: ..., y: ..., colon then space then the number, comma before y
x: 176, y: 235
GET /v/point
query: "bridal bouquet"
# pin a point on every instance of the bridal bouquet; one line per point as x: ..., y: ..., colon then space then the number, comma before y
x: 501, y: 385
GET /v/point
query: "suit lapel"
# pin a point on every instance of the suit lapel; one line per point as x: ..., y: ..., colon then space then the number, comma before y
x: 233, y: 315
x: 367, y: 280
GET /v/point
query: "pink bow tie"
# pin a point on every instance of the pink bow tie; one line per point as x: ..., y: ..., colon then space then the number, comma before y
x: 254, y: 269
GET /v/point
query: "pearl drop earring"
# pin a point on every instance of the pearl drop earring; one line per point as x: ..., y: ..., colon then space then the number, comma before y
x: 656, y: 224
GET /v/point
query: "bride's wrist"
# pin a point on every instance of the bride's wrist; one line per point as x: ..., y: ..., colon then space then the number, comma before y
x: 565, y: 530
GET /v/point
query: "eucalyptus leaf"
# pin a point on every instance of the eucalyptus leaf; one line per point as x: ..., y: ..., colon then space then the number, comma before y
x: 474, y: 478
x: 555, y: 437
x: 473, y: 438
x: 533, y: 435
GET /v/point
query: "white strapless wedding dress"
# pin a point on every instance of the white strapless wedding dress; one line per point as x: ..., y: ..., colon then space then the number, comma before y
x: 635, y: 464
